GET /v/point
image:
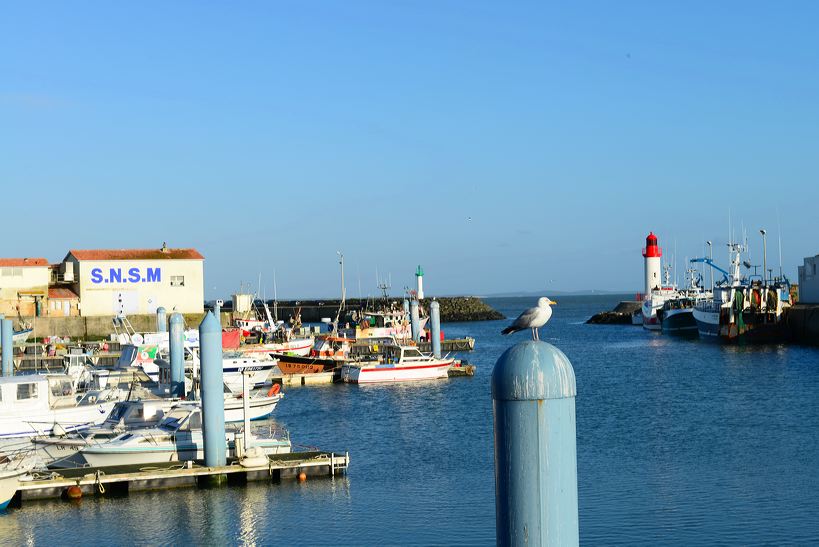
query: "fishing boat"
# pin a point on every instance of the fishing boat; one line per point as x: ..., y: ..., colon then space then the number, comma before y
x: 177, y: 437
x: 327, y: 353
x: 750, y: 309
x: 396, y: 363
x: 274, y: 337
x: 35, y: 404
x: 677, y: 314
x: 654, y: 301
x: 63, y: 450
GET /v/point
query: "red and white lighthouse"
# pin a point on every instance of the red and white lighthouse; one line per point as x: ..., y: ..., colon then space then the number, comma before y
x: 653, y: 255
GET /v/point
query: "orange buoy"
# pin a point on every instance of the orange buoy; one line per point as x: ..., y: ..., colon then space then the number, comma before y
x: 274, y: 389
x: 302, y: 476
x: 73, y: 492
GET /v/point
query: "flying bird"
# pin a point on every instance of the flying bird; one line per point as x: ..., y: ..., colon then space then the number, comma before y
x: 533, y: 318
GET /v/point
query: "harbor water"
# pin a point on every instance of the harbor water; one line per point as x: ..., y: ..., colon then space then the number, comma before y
x: 679, y: 442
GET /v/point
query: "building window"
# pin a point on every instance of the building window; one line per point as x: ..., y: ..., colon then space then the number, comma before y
x: 12, y: 272
x: 26, y: 391
x: 177, y: 281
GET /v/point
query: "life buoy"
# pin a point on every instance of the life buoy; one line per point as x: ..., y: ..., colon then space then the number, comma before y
x: 274, y: 390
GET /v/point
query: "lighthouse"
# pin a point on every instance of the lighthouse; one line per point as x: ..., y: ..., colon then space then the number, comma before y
x: 653, y: 255
x: 419, y: 283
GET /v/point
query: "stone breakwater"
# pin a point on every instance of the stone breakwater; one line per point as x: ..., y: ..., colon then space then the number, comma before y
x: 453, y: 308
x: 620, y: 315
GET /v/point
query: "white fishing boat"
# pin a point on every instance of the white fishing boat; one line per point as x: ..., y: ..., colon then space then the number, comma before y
x: 177, y: 437
x: 34, y: 404
x: 396, y: 363
x: 744, y: 308
x: 63, y: 450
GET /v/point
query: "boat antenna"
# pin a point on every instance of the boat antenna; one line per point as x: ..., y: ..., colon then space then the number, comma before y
x: 779, y: 236
x: 676, y: 279
x: 275, y: 298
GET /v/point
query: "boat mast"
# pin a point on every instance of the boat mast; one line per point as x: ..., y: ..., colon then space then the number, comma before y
x: 343, y: 289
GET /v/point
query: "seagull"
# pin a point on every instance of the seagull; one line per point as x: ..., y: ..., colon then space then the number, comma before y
x: 533, y: 318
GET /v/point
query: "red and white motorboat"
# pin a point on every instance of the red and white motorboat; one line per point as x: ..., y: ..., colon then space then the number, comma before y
x: 396, y: 364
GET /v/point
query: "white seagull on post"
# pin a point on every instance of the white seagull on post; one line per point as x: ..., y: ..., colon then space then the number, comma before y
x: 533, y: 318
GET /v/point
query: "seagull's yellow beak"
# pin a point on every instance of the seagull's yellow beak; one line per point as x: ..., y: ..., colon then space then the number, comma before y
x: 552, y: 302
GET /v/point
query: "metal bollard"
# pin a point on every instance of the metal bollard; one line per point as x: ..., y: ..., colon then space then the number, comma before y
x: 415, y: 319
x: 177, y: 349
x: 435, y: 328
x: 7, y: 340
x: 213, y: 398
x: 161, y: 320
x: 533, y: 396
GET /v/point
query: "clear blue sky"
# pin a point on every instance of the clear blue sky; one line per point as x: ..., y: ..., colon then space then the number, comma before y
x: 271, y: 134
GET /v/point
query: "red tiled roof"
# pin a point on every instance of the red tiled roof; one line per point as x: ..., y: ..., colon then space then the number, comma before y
x: 136, y: 254
x: 23, y: 262
x: 62, y: 294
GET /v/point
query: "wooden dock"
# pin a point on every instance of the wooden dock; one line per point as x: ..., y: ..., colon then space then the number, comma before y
x: 118, y: 481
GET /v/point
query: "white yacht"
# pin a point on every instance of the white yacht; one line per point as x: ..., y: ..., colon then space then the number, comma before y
x: 34, y: 404
x: 177, y: 437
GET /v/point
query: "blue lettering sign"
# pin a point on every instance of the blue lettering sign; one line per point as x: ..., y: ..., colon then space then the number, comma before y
x: 130, y: 275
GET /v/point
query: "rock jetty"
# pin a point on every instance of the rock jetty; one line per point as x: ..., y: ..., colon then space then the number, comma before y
x: 453, y: 308
x: 620, y: 315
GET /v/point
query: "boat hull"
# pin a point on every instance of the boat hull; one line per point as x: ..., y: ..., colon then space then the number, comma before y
x: 707, y: 324
x: 293, y: 364
x: 680, y: 322
x: 186, y: 450
x: 9, y: 483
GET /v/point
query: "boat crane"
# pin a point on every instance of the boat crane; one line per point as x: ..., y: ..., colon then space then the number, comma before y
x: 710, y: 262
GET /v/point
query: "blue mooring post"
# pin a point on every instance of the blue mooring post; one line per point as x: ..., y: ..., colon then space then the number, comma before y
x: 161, y: 320
x: 213, y: 398
x: 435, y: 328
x: 533, y: 392
x: 177, y: 344
x: 406, y: 307
x: 415, y: 319
x: 7, y: 339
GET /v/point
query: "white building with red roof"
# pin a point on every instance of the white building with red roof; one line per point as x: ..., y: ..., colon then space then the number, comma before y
x: 23, y: 285
x: 136, y: 281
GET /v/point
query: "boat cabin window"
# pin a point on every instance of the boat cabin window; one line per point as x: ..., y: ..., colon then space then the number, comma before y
x: 412, y: 353
x: 196, y: 421
x: 117, y: 413
x: 60, y: 387
x: 26, y: 391
x: 174, y: 418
